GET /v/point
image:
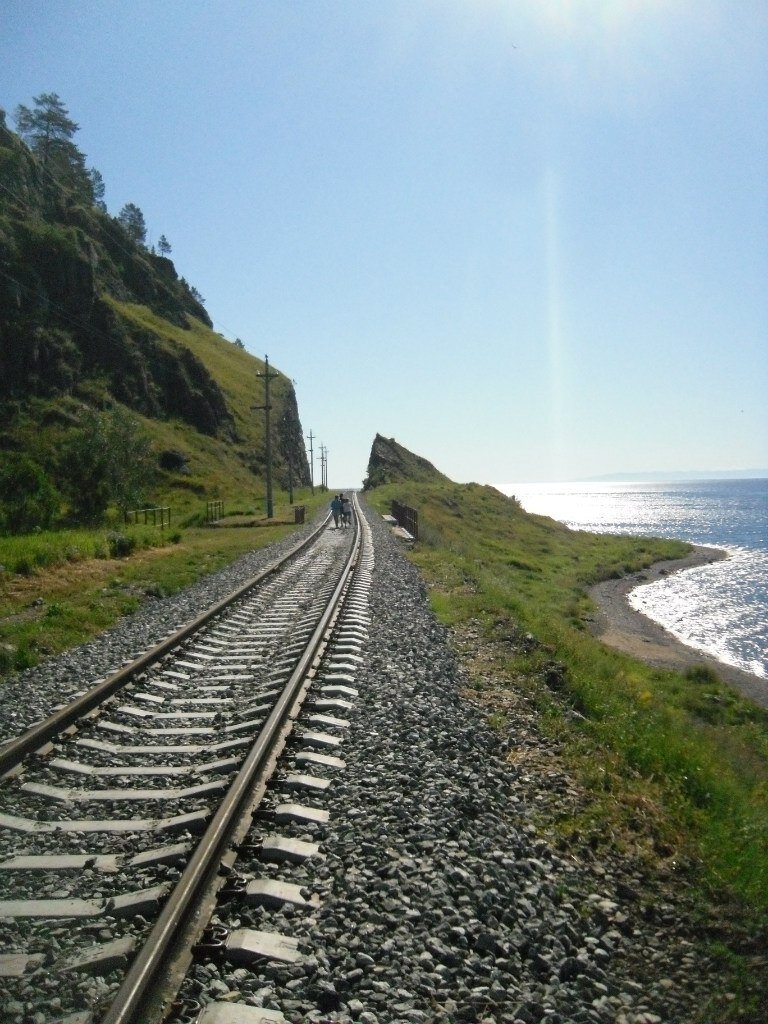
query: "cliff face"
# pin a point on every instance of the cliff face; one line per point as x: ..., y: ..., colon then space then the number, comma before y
x: 59, y: 262
x: 88, y: 316
x: 390, y: 462
x: 291, y: 446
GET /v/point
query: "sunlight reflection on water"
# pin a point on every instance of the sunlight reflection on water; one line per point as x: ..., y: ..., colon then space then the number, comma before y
x: 722, y: 608
x: 718, y: 608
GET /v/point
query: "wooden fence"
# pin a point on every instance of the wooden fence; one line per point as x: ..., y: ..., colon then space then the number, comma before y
x: 214, y: 510
x: 156, y: 516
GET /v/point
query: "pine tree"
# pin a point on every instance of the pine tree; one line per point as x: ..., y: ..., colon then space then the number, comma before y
x: 132, y: 219
x: 97, y: 186
x: 163, y: 246
x: 48, y: 130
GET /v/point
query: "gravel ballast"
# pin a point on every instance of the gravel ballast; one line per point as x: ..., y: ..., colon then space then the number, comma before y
x: 32, y: 695
x: 445, y: 898
x: 446, y: 901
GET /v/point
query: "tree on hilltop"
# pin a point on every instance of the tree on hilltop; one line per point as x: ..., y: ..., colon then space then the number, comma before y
x: 132, y: 219
x: 163, y: 246
x: 48, y: 130
x: 97, y: 186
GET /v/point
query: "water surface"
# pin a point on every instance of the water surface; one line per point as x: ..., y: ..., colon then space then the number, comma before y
x: 722, y: 608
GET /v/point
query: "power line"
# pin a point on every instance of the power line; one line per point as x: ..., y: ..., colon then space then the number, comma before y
x: 311, y: 438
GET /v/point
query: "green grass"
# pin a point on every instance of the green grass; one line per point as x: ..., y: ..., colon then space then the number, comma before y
x: 228, y: 466
x: 26, y: 553
x: 217, y: 469
x: 59, y: 589
x: 683, y: 750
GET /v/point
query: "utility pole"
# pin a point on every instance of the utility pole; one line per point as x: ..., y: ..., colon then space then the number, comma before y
x: 323, y: 467
x: 267, y: 432
x: 311, y: 438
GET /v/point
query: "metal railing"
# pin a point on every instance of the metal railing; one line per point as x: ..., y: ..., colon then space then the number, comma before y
x: 407, y: 518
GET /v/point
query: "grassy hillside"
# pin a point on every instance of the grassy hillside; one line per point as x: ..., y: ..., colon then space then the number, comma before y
x: 90, y: 317
x: 232, y: 467
x: 675, y: 765
x: 229, y: 466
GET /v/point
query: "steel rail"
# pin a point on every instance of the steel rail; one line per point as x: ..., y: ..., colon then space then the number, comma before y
x: 135, y: 993
x: 15, y: 750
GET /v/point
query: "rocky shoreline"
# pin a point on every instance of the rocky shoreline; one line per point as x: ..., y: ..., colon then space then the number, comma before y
x: 620, y: 626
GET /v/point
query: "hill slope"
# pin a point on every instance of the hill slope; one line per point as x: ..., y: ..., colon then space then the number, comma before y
x: 90, y: 316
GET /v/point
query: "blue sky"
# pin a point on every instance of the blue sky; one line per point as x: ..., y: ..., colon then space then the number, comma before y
x: 526, y: 238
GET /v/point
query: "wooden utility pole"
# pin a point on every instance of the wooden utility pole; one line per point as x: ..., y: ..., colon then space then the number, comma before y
x: 311, y: 438
x: 267, y: 433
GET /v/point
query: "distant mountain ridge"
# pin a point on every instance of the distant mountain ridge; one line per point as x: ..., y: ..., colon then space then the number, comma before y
x: 679, y: 475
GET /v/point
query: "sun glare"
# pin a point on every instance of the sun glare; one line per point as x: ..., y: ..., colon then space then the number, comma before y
x: 597, y: 18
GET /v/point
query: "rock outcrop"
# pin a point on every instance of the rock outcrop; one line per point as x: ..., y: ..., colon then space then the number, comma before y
x: 390, y: 462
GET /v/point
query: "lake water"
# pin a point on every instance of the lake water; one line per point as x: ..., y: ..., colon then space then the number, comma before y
x: 721, y: 608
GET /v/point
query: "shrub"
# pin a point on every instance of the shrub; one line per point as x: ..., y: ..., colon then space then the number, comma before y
x: 120, y: 546
x: 702, y: 674
x: 28, y: 499
x: 107, y: 458
x: 26, y: 655
x: 6, y: 659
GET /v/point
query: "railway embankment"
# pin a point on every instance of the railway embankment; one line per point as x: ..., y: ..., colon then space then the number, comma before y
x: 671, y: 764
x: 487, y: 857
x: 453, y: 894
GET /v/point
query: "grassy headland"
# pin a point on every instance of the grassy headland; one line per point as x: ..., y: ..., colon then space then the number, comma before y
x: 675, y: 765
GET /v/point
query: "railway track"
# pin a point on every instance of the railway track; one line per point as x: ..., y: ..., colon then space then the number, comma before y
x: 130, y: 815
